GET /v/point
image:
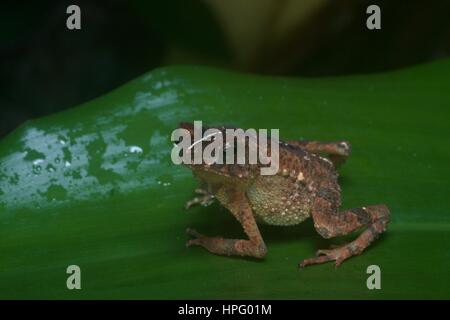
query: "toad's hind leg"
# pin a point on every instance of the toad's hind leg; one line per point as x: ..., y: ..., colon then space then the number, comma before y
x: 253, y: 247
x: 336, y: 151
x: 331, y: 223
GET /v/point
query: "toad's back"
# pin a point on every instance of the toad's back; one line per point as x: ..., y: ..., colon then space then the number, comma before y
x: 282, y: 199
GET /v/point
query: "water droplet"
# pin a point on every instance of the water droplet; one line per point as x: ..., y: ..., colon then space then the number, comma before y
x: 62, y: 140
x: 165, y: 180
x: 37, y: 166
x: 136, y: 149
x: 38, y: 162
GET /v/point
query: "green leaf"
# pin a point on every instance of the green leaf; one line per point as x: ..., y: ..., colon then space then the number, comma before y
x: 95, y: 187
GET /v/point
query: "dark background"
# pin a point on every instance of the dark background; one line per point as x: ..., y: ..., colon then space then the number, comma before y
x: 46, y: 68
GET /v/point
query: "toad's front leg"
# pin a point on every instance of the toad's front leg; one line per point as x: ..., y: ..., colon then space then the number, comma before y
x: 205, y: 198
x: 253, y: 247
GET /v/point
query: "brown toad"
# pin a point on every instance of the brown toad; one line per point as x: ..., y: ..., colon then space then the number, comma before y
x: 305, y: 185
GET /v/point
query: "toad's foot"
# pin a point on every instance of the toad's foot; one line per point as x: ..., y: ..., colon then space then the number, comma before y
x: 205, y: 199
x: 228, y: 247
x: 241, y: 209
x: 196, y: 235
x: 217, y: 245
x: 338, y: 254
x: 207, y: 242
